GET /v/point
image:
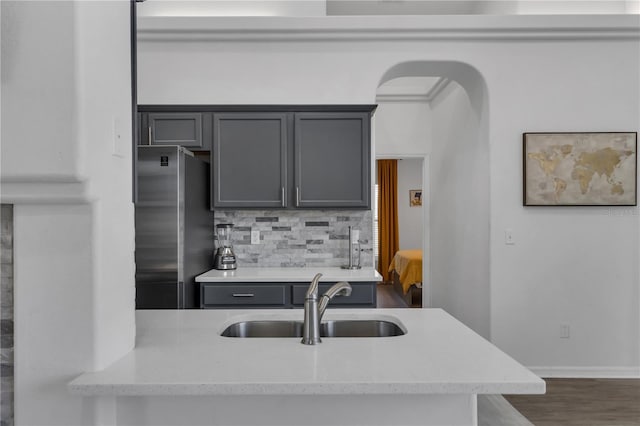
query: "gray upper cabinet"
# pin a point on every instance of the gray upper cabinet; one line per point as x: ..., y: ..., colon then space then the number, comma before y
x: 273, y: 156
x: 332, y: 159
x: 187, y: 129
x: 249, y: 160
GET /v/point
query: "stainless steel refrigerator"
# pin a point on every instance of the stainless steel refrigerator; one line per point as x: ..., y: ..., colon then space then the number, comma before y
x: 174, y: 227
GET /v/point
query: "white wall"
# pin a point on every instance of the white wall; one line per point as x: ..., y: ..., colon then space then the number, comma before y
x: 65, y: 85
x: 44, y: 84
x: 538, y: 80
x: 410, y: 218
x: 573, y: 266
x: 402, y: 128
x: 459, y: 212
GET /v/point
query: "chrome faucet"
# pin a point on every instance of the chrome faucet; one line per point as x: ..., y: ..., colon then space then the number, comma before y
x: 314, y: 310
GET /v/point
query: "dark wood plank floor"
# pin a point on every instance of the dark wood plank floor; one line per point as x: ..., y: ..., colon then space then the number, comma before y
x: 388, y: 298
x: 582, y: 402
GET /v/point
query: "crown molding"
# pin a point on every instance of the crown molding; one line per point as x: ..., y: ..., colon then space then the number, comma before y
x: 388, y: 28
x: 404, y: 98
x: 432, y: 94
x: 438, y: 88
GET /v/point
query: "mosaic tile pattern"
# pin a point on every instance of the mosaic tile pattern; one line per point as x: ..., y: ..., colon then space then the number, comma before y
x: 298, y: 238
x: 6, y: 315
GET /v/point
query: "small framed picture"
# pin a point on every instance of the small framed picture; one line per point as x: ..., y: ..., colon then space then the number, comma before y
x: 415, y: 197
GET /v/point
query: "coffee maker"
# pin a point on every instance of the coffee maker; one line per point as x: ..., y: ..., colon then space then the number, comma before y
x: 224, y: 259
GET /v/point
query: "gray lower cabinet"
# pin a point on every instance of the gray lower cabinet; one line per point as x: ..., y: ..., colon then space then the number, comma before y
x: 249, y: 160
x: 279, y: 295
x: 188, y: 129
x: 332, y: 159
x: 244, y: 295
x: 362, y: 295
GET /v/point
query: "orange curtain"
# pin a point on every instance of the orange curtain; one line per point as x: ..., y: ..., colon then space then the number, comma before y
x: 387, y: 215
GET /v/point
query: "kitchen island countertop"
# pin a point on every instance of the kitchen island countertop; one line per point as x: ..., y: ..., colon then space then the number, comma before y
x: 181, y: 352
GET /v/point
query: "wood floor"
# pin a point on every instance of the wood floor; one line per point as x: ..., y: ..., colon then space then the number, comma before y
x: 388, y: 298
x: 582, y: 402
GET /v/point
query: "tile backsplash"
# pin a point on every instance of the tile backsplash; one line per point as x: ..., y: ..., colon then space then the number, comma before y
x: 298, y: 238
x: 6, y: 315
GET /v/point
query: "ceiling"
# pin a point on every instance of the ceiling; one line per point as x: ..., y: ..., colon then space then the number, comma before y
x: 477, y: 7
x: 381, y: 7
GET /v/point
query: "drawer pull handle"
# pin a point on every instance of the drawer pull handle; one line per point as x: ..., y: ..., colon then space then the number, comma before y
x: 243, y: 295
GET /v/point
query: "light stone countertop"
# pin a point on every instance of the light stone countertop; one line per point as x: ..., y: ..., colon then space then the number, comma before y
x: 329, y: 274
x: 181, y: 352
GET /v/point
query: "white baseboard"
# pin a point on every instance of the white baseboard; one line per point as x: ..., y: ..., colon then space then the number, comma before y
x: 588, y: 372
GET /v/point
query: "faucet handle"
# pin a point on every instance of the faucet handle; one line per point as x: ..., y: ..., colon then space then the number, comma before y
x: 312, y: 291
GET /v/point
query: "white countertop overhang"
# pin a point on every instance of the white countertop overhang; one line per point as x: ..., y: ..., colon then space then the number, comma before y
x: 181, y: 352
x: 329, y: 274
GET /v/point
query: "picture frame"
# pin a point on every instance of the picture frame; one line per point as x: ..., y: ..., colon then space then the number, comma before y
x: 579, y: 168
x: 415, y: 197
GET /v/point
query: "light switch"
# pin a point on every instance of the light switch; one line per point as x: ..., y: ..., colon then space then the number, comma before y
x: 255, y: 237
x: 508, y: 237
x: 118, y: 138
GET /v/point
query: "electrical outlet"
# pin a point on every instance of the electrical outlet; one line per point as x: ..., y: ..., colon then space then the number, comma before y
x: 565, y: 331
x: 255, y: 237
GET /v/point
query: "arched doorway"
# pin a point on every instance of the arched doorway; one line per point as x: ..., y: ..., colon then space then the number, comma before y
x: 450, y: 121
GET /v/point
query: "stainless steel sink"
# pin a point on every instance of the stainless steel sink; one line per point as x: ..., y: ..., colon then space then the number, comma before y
x: 330, y: 328
x: 360, y: 328
x: 264, y: 329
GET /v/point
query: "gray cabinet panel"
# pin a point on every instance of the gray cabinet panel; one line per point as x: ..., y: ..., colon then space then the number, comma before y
x: 243, y: 295
x: 180, y: 128
x: 362, y: 295
x: 332, y: 160
x: 249, y: 160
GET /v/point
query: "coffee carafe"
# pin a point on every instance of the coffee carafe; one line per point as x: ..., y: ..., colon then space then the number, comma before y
x: 225, y: 258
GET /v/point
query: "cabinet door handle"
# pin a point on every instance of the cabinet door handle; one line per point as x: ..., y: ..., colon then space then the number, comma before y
x: 243, y: 294
x: 297, y: 196
x: 283, y: 205
x: 149, y: 141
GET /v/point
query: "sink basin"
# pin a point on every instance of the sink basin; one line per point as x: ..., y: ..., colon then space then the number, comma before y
x: 330, y: 328
x: 264, y: 329
x: 360, y: 328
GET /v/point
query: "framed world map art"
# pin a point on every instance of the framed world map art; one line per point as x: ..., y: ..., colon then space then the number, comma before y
x: 580, y: 169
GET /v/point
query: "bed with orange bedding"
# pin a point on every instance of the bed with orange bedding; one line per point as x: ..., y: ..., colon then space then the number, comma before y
x: 406, y: 266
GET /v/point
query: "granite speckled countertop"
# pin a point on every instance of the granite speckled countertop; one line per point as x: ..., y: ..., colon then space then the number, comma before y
x: 181, y: 352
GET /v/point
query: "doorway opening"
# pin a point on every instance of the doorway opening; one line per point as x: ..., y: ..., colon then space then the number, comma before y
x: 402, y: 285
